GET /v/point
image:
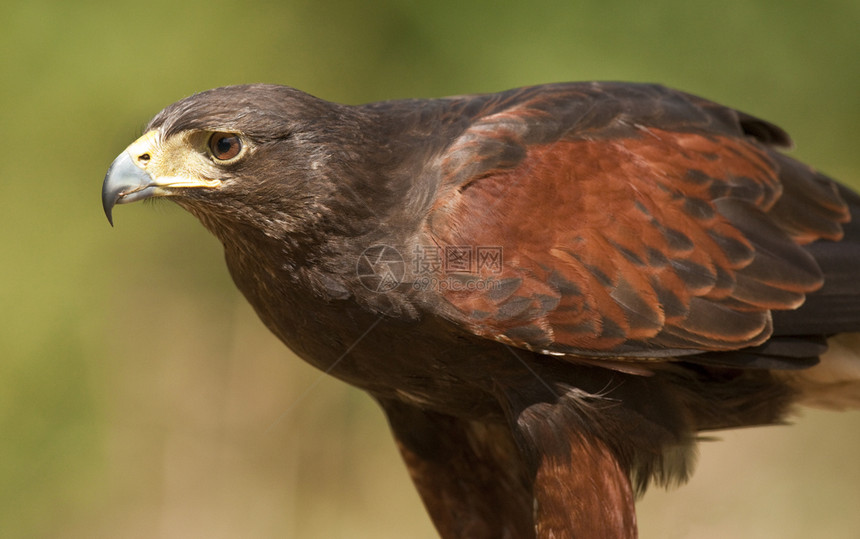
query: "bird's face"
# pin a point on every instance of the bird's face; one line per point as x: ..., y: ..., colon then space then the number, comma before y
x: 190, y: 164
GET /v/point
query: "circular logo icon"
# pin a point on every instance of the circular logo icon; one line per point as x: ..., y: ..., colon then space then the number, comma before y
x: 380, y: 268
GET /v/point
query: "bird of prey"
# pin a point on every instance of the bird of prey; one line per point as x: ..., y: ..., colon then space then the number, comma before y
x: 551, y: 291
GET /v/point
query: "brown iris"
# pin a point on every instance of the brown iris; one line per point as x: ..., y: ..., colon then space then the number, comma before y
x: 225, y: 146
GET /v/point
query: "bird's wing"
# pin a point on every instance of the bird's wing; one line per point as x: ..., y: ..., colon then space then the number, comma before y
x: 624, y: 221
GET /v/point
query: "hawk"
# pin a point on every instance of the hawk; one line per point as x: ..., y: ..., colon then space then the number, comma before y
x: 551, y: 291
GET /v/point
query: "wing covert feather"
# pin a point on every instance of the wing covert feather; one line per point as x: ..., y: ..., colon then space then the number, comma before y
x: 638, y: 240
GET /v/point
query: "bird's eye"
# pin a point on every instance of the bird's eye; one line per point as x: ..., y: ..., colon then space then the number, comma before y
x: 225, y: 146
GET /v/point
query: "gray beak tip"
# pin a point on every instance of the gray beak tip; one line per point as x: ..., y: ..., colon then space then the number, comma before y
x: 108, y: 203
x: 124, y: 182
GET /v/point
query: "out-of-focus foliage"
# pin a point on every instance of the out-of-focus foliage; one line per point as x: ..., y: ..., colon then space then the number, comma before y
x: 139, y: 395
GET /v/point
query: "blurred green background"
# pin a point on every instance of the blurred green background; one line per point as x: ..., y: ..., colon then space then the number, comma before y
x: 140, y: 396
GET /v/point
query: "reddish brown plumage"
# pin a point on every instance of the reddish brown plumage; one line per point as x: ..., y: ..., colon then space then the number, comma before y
x: 659, y: 264
x: 597, y: 505
x: 636, y: 239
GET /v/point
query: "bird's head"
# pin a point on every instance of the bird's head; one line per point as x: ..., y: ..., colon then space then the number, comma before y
x: 257, y: 156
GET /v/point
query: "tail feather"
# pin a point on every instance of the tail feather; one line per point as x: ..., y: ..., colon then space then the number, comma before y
x: 835, y: 382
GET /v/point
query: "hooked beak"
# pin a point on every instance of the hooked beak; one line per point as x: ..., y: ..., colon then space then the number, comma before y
x: 125, y: 182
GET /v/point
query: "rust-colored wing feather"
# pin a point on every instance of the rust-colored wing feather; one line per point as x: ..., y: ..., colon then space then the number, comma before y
x: 647, y: 226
